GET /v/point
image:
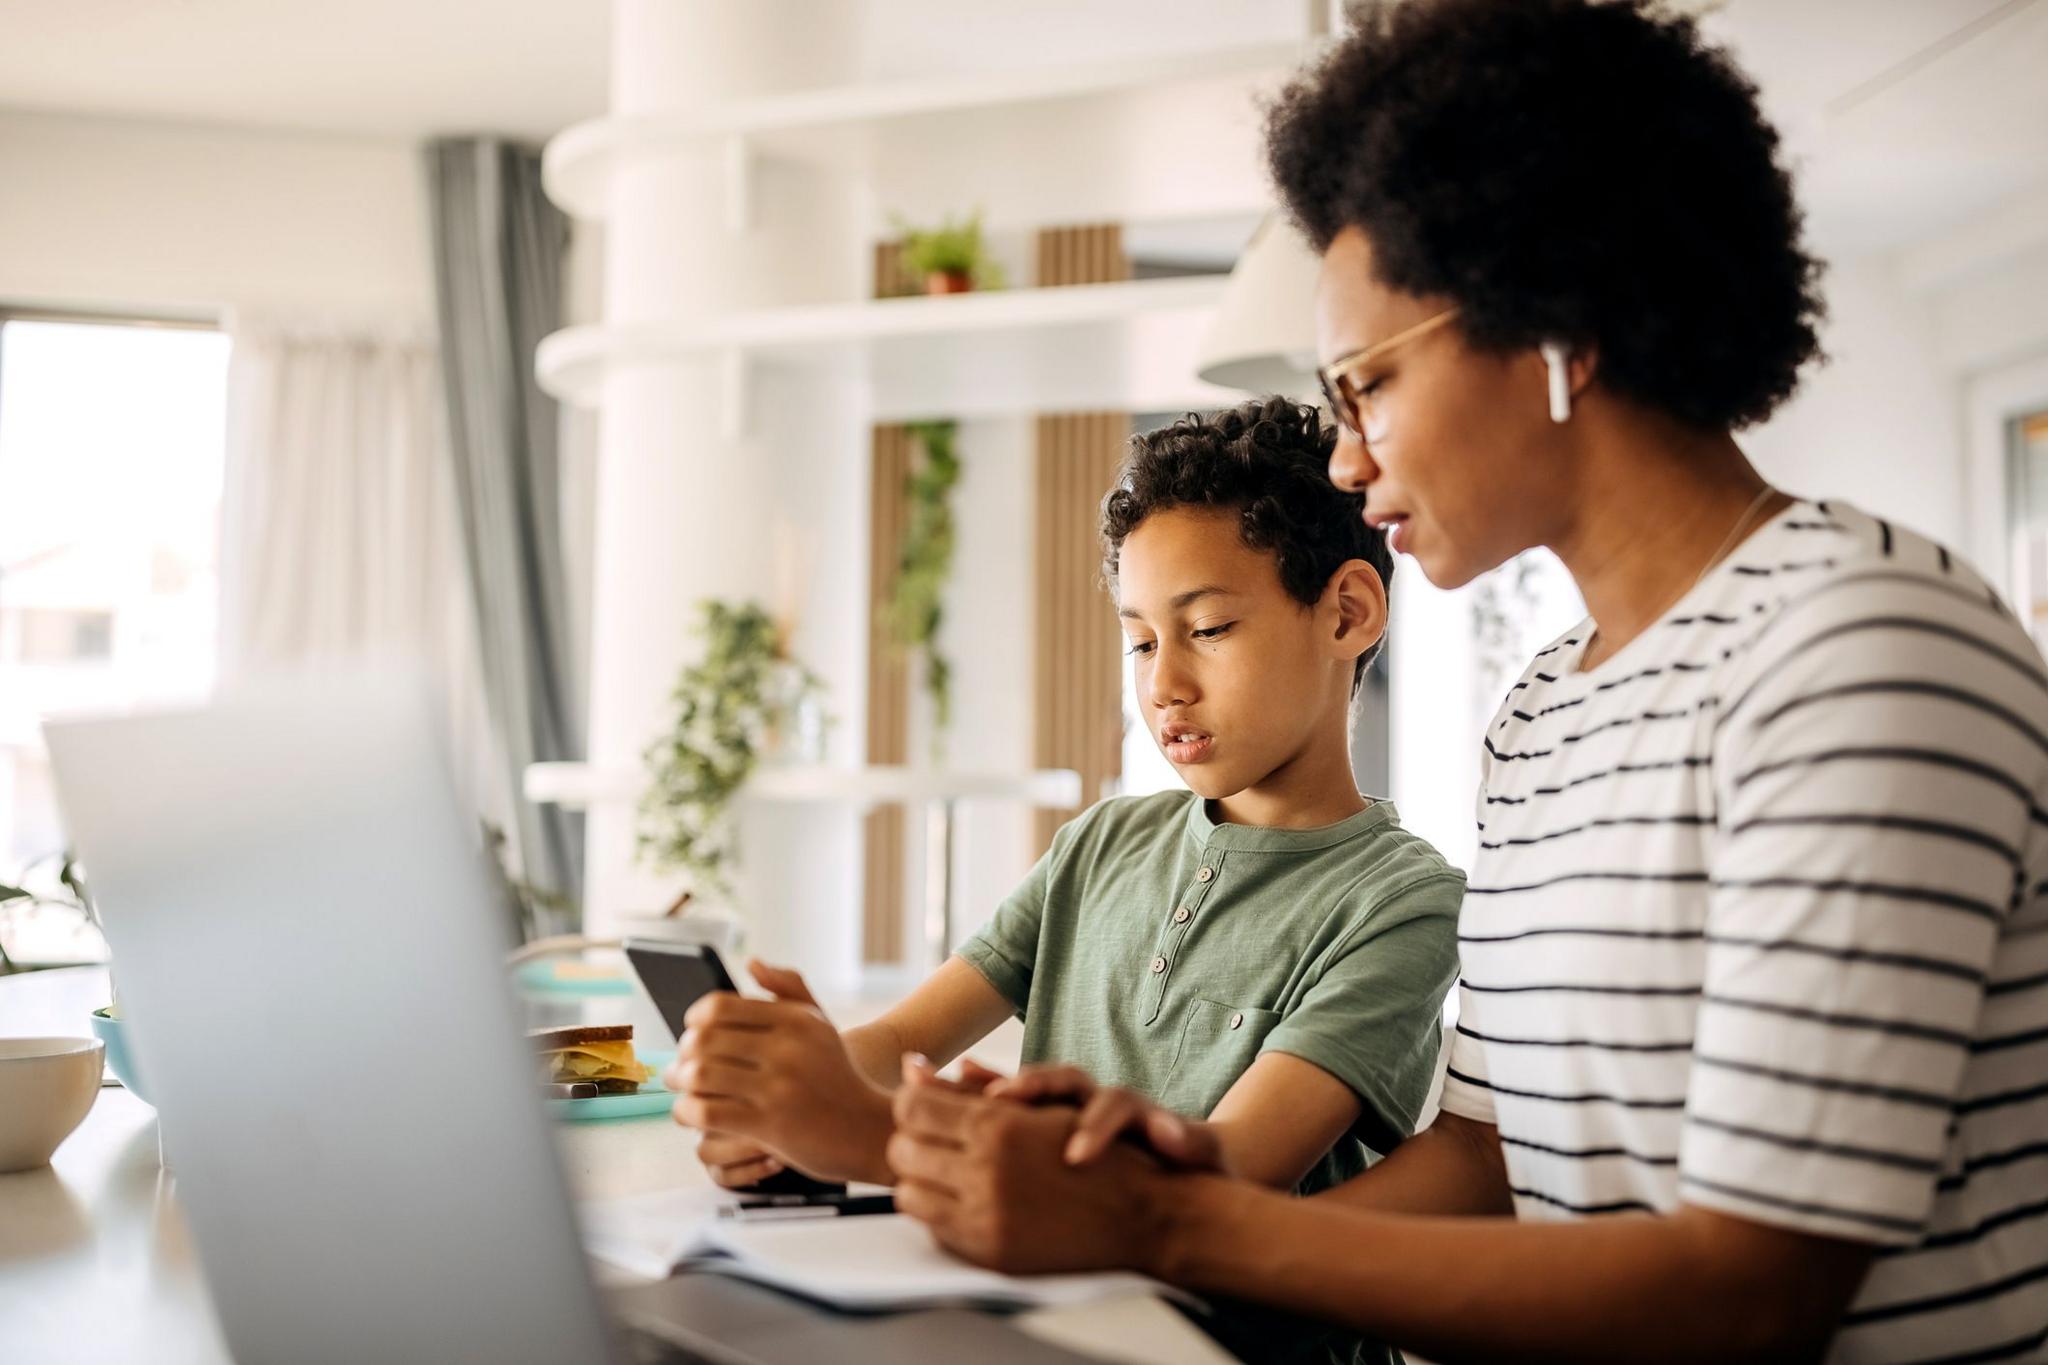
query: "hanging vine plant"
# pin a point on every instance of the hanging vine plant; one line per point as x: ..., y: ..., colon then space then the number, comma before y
x: 743, y: 691
x: 925, y: 562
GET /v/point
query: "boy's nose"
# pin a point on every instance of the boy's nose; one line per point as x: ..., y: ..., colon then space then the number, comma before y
x: 1351, y: 464
x: 1171, y: 684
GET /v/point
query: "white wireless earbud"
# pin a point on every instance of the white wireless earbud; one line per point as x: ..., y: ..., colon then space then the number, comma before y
x: 1555, y: 356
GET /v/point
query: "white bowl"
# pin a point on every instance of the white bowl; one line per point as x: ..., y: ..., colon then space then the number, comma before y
x: 46, y: 1087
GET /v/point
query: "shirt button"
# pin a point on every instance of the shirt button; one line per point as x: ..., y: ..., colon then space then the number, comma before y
x: 1158, y: 965
x: 1237, y: 1021
x: 1181, y: 915
x: 1206, y: 874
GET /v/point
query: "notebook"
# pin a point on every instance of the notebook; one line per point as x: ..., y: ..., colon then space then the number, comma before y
x: 871, y: 1262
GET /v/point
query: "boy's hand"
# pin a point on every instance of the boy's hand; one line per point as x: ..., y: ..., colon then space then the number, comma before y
x: 989, y: 1180
x: 737, y: 1162
x: 777, y: 1074
x: 1110, y: 1113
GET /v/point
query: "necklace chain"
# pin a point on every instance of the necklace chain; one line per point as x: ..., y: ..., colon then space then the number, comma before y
x: 1724, y: 547
x: 1727, y: 544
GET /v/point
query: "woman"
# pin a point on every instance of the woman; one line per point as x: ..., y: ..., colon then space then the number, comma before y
x: 1754, y: 1016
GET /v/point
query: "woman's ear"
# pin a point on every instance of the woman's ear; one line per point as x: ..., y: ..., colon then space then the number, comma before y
x: 1356, y: 599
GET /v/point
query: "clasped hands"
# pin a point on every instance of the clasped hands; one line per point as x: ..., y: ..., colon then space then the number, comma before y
x: 1038, y: 1172
x: 1043, y: 1171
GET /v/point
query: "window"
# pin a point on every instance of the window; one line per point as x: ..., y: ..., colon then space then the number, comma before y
x: 112, y: 437
x: 2029, y: 479
x: 62, y: 636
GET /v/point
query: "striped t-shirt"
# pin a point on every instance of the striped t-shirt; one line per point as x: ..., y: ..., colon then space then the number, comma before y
x: 1759, y: 922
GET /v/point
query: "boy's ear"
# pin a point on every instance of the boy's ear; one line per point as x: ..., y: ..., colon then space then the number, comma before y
x: 1357, y: 597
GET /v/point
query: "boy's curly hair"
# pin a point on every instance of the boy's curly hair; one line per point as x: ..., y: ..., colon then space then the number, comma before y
x: 1590, y: 173
x: 1268, y: 460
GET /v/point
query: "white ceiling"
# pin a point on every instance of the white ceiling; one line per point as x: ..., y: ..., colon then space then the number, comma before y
x: 1906, y: 117
x: 401, y: 68
x: 1903, y: 118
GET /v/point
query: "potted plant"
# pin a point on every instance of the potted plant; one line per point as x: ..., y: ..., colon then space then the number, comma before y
x: 951, y: 258
x: 742, y: 700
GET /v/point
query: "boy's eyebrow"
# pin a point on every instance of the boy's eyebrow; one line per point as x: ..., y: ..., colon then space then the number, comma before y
x: 1180, y: 600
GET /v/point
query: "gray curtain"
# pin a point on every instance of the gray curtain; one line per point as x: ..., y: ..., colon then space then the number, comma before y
x: 498, y: 248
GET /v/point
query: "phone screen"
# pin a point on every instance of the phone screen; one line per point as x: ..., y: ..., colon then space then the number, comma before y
x: 677, y: 975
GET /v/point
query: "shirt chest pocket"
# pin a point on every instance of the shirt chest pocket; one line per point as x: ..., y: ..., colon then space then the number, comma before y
x: 1218, y: 1042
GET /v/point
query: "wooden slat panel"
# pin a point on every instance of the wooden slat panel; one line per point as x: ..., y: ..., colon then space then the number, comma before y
x: 892, y: 276
x: 1080, y: 255
x: 1078, y: 719
x: 1078, y: 711
x: 1105, y: 718
x: 885, y: 872
x: 885, y: 891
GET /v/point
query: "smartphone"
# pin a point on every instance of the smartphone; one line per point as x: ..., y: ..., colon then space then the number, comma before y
x: 677, y: 976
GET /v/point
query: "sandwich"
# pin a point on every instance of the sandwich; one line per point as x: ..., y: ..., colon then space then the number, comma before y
x: 593, y: 1054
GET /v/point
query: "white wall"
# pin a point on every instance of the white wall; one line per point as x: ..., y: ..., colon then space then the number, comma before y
x: 1434, y: 719
x: 1993, y: 317
x: 1887, y: 422
x: 912, y: 37
x: 1879, y: 425
x: 112, y: 214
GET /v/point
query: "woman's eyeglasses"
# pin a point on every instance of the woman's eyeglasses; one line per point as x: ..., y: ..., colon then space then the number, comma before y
x: 1351, y: 403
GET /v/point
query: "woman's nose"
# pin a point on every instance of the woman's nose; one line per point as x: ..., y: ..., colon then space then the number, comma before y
x: 1351, y: 465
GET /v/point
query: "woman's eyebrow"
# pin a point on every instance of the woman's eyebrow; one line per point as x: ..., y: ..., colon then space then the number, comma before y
x: 1181, y: 601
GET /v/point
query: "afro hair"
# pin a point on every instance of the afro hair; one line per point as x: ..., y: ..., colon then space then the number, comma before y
x: 1590, y: 173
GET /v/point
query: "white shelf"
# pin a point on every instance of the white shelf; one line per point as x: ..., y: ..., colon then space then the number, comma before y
x: 837, y: 125
x: 578, y: 786
x: 1073, y: 348
x: 1052, y: 788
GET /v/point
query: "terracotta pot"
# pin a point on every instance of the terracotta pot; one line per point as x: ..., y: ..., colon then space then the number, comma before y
x: 949, y: 282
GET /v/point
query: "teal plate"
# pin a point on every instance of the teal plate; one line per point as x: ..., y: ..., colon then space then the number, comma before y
x: 652, y: 1098
x: 538, y: 978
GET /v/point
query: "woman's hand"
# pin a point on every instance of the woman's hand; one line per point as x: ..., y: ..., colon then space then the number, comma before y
x: 989, y: 1179
x: 1109, y: 1114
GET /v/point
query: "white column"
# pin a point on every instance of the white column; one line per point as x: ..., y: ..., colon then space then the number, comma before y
x: 687, y: 492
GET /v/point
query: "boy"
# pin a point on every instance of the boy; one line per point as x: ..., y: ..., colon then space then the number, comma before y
x: 1268, y: 950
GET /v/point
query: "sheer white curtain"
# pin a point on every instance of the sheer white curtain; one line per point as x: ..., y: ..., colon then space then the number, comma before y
x: 339, y: 535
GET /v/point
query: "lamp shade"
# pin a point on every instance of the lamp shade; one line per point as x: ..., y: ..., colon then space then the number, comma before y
x: 1262, y: 338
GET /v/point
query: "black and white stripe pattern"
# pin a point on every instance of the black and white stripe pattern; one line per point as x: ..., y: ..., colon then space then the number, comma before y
x: 1759, y: 922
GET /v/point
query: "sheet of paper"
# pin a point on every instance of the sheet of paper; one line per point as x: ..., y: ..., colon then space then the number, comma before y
x: 648, y: 1234
x: 872, y: 1261
x: 889, y: 1261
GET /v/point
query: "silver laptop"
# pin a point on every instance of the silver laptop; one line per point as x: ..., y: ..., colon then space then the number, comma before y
x: 308, y: 949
